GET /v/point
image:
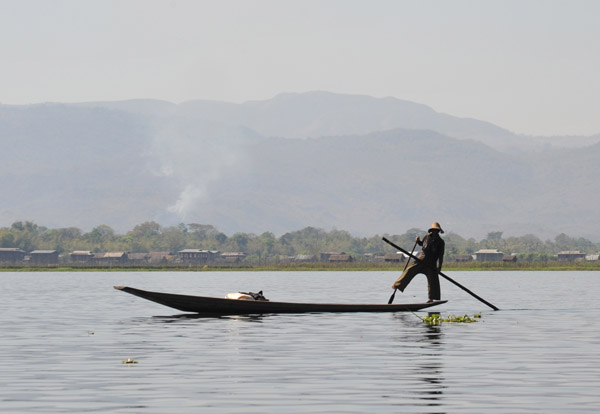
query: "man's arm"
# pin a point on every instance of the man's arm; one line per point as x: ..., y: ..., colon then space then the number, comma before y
x: 441, y: 257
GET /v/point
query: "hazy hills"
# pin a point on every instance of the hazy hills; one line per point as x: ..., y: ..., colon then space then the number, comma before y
x: 318, y: 114
x: 318, y: 159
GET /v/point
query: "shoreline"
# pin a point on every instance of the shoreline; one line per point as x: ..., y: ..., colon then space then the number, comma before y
x: 315, y: 267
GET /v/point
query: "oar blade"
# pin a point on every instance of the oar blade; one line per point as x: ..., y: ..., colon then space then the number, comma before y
x: 392, y: 297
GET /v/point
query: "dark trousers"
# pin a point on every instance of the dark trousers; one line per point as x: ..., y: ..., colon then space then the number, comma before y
x: 433, y: 279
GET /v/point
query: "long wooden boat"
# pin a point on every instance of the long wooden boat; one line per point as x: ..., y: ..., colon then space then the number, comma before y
x: 218, y: 306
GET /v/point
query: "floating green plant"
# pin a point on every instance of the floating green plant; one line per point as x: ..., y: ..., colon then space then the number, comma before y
x: 437, y: 319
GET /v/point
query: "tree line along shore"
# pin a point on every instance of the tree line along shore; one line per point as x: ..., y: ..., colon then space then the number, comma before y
x: 198, y: 246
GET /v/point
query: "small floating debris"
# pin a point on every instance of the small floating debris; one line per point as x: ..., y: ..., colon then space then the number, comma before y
x: 436, y: 319
x: 129, y: 361
x: 90, y: 332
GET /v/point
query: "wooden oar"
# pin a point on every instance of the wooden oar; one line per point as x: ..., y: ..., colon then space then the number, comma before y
x: 405, y: 266
x: 443, y: 275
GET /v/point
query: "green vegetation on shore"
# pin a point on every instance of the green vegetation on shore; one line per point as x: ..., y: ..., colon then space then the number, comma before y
x: 151, y: 236
x: 267, y: 251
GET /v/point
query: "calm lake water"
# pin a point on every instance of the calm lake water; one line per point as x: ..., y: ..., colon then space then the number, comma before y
x: 64, y: 337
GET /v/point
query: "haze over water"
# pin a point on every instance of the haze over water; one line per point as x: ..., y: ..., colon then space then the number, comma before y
x: 65, y: 335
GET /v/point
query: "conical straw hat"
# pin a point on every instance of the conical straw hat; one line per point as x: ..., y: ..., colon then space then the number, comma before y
x: 436, y: 226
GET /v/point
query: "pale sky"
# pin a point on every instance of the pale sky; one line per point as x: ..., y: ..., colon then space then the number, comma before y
x: 532, y: 67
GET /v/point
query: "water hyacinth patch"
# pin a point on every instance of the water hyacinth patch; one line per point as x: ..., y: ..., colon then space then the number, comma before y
x: 436, y: 319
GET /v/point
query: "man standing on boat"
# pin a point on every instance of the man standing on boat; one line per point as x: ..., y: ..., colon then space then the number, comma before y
x: 429, y: 263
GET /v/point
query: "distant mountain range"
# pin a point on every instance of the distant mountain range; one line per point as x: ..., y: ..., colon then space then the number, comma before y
x: 366, y: 165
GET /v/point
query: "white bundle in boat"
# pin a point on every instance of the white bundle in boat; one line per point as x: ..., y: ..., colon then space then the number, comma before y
x: 246, y: 296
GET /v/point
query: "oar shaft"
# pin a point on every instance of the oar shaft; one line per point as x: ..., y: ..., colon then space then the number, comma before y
x: 443, y: 275
x: 410, y: 255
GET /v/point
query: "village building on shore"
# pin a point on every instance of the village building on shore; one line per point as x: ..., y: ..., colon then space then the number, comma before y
x: 570, y: 256
x: 11, y: 255
x: 488, y: 255
x: 43, y: 257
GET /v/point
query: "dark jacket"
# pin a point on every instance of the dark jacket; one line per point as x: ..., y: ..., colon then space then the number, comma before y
x: 432, y: 252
